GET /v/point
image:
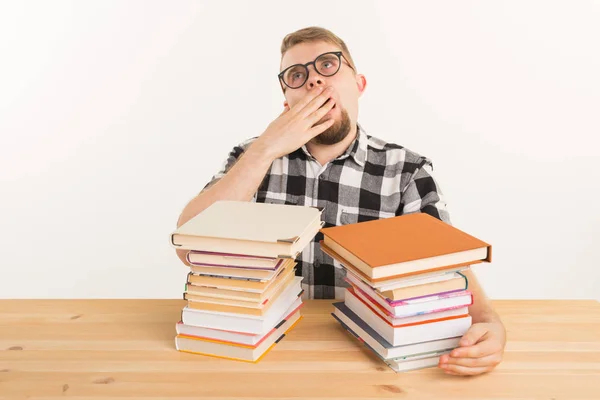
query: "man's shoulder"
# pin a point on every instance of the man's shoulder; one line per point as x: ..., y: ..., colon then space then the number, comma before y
x: 394, y: 153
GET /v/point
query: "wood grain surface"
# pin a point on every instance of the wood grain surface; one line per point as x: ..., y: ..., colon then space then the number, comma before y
x: 124, y: 349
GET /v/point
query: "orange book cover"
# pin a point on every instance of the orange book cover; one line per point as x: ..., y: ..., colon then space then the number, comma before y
x: 409, y: 243
x: 369, y: 279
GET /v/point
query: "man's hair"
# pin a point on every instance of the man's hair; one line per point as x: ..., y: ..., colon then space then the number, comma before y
x: 315, y: 34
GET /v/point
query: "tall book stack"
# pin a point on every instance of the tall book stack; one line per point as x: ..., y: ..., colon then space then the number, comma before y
x: 242, y: 291
x: 408, y: 297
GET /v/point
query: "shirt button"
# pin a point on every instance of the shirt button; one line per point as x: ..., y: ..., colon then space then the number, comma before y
x: 317, y: 264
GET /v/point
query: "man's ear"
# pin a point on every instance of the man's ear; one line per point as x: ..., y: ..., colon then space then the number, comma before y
x: 361, y: 84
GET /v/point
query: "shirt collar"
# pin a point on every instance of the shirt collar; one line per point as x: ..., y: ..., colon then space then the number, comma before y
x: 357, y: 149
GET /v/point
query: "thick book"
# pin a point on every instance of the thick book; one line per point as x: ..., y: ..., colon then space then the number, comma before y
x: 236, y: 351
x: 398, y: 335
x: 449, y: 282
x: 406, y: 363
x: 239, y: 306
x: 404, y: 245
x: 214, y: 259
x: 234, y: 272
x: 459, y: 307
x: 256, y: 229
x: 415, y: 297
x: 235, y: 294
x: 346, y: 316
x: 417, y: 362
x: 230, y: 336
x: 245, y: 322
x: 237, y: 283
x: 391, y: 283
x: 423, y: 306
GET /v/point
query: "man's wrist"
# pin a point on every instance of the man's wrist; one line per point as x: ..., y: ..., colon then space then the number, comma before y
x: 486, y: 317
x: 260, y: 153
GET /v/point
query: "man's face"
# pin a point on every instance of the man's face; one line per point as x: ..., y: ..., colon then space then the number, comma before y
x: 347, y: 88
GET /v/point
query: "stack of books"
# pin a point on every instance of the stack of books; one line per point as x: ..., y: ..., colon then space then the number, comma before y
x: 407, y: 297
x: 242, y: 291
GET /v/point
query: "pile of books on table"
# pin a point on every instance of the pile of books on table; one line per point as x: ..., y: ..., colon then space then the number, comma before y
x: 408, y: 296
x: 242, y: 291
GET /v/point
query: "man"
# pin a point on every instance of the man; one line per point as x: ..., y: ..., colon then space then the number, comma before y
x: 315, y: 153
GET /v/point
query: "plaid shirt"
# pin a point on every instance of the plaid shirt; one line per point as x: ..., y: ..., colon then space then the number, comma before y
x: 373, y: 179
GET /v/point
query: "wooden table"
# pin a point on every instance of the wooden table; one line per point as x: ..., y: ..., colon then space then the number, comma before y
x: 124, y: 349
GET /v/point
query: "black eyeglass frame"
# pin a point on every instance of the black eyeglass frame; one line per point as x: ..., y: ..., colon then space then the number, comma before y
x: 339, y: 54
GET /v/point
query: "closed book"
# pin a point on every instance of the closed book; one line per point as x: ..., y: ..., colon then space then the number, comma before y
x: 240, y: 306
x: 230, y: 336
x: 234, y: 272
x: 423, y: 306
x: 346, y: 316
x: 391, y: 283
x: 417, y: 362
x: 404, y: 245
x: 236, y: 351
x: 456, y: 282
x: 244, y: 284
x: 404, y: 363
x: 214, y: 259
x: 255, y: 229
x: 245, y: 322
x: 237, y: 293
x: 433, y: 329
x: 413, y: 280
x: 393, y: 305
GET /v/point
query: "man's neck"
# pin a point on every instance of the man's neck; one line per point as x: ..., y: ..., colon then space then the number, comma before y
x: 324, y: 153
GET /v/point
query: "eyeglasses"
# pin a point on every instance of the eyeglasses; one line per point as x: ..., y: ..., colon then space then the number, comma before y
x: 327, y: 64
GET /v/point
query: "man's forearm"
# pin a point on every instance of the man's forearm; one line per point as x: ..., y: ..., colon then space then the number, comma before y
x: 481, y: 310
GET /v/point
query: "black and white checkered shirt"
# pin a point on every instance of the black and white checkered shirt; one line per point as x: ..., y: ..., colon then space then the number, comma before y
x: 372, y: 179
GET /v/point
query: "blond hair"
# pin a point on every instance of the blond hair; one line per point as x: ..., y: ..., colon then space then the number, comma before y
x: 315, y: 34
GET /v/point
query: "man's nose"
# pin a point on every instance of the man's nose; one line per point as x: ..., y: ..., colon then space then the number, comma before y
x: 314, y: 78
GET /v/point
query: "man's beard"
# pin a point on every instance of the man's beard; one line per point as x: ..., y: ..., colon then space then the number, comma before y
x: 336, y: 132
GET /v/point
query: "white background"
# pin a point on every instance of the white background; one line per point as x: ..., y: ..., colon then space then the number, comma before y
x: 114, y: 114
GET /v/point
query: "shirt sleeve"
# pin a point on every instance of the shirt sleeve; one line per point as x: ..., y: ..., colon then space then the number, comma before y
x: 232, y: 157
x: 423, y: 194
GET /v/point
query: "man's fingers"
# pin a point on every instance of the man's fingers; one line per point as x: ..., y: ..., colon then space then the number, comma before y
x: 320, y: 128
x: 481, y: 349
x: 320, y: 113
x: 487, y: 361
x: 306, y: 100
x: 315, y: 104
x: 473, y: 334
x: 454, y: 369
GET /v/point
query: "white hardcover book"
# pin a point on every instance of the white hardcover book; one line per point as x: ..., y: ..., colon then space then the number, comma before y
x: 398, y: 336
x: 244, y: 322
x: 244, y: 227
x: 378, y: 344
x: 242, y: 338
x: 432, y: 305
x: 414, y: 363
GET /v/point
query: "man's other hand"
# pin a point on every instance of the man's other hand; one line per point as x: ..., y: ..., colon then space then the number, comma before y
x: 480, y: 349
